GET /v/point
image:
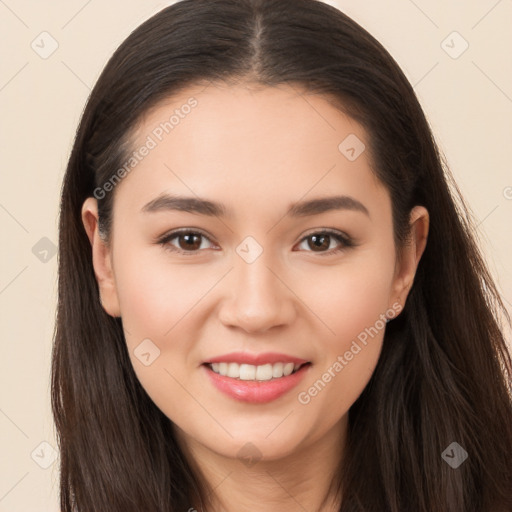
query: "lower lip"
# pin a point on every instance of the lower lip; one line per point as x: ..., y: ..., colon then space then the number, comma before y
x: 256, y: 392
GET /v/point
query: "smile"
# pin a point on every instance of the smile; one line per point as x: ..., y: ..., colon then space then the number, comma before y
x: 251, y: 372
x: 255, y: 384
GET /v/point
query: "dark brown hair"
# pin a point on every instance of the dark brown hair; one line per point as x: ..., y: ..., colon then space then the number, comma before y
x: 444, y: 372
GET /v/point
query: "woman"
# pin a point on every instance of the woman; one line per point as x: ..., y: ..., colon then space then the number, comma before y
x: 268, y: 297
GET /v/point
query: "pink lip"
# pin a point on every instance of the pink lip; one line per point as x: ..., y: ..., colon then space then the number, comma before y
x: 256, y: 359
x: 256, y: 392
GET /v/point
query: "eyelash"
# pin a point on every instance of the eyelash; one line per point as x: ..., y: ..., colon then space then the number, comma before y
x: 346, y: 242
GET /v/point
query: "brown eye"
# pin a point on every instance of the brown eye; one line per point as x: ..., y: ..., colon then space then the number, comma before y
x: 319, y: 242
x: 191, y: 241
x: 188, y: 242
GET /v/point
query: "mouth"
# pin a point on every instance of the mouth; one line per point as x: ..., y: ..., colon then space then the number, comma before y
x: 258, y: 373
x: 256, y: 384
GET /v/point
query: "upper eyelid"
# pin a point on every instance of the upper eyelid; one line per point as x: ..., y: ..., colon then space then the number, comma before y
x: 171, y: 235
x: 329, y: 231
x: 174, y: 233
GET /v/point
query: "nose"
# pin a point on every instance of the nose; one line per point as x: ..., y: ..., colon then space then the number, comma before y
x: 258, y: 296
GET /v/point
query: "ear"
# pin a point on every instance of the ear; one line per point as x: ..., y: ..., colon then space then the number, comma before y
x: 411, y: 253
x: 101, y: 258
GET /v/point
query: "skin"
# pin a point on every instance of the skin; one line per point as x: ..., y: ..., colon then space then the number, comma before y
x: 257, y: 150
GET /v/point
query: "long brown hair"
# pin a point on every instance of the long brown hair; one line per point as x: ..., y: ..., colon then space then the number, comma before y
x: 444, y: 373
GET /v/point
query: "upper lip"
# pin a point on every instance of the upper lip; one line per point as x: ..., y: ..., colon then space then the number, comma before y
x: 256, y: 359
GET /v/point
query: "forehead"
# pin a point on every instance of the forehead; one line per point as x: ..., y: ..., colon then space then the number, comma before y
x: 259, y: 146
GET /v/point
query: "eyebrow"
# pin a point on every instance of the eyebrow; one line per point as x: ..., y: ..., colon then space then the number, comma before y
x: 211, y: 208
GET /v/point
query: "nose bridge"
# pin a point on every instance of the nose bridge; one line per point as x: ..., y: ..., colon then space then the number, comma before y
x: 259, y: 299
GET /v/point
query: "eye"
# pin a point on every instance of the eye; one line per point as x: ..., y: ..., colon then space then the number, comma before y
x: 188, y: 241
x: 322, y: 240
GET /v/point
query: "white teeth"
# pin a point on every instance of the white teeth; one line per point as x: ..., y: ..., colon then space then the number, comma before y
x: 288, y: 369
x: 245, y: 372
x: 251, y: 372
x: 263, y: 372
x: 277, y: 370
x: 233, y: 370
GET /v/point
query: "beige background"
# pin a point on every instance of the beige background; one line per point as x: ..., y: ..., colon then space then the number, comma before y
x: 468, y: 101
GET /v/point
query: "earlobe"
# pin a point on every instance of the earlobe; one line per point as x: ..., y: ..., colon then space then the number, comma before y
x: 101, y: 258
x: 411, y: 254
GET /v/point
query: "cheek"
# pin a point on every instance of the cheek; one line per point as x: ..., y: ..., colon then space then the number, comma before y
x: 157, y: 306
x: 155, y: 296
x: 164, y: 303
x: 351, y: 304
x: 349, y: 298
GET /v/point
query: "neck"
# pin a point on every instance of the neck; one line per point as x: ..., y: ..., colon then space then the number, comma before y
x: 303, y: 480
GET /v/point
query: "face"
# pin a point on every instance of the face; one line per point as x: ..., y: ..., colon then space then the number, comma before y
x: 290, y: 266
